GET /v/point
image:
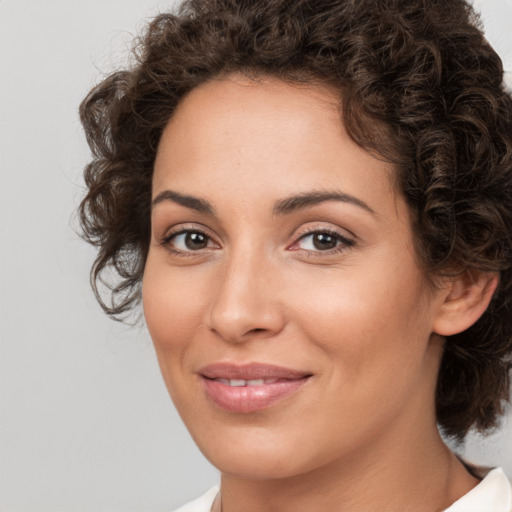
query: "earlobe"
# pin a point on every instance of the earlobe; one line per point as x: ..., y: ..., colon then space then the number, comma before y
x: 465, y: 299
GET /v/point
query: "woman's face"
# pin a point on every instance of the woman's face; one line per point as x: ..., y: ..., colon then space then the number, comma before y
x: 291, y: 321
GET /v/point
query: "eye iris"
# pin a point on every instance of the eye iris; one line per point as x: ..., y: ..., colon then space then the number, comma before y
x: 323, y: 241
x: 196, y: 241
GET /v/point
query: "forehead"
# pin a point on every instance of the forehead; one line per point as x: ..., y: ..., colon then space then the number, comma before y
x: 247, y: 112
x: 265, y: 137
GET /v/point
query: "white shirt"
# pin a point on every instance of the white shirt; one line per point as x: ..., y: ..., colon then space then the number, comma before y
x: 492, y: 494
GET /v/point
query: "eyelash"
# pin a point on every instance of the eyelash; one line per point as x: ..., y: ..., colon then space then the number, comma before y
x: 343, y: 242
x: 166, y: 241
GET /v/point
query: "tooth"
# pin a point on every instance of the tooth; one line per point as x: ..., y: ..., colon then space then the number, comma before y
x: 223, y: 381
x: 237, y: 382
x: 255, y: 382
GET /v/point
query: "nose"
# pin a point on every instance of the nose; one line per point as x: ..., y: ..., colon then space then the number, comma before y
x: 245, y: 304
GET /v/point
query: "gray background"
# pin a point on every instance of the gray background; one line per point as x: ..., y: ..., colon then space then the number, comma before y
x: 86, y: 423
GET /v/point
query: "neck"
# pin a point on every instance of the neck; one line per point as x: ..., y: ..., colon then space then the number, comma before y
x: 412, y: 472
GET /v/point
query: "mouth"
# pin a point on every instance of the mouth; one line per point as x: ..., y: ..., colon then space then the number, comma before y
x: 251, y: 387
x: 250, y: 382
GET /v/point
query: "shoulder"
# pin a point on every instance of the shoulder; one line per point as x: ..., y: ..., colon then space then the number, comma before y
x: 492, y: 494
x: 202, y: 504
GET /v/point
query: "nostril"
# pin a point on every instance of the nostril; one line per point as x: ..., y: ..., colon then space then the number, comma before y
x: 237, y: 320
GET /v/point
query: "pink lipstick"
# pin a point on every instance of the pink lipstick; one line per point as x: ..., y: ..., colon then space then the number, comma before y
x: 250, y: 387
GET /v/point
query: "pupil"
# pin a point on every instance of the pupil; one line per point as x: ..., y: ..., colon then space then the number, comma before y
x: 195, y: 241
x: 323, y: 241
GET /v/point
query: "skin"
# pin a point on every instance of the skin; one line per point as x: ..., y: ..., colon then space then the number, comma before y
x: 361, y: 434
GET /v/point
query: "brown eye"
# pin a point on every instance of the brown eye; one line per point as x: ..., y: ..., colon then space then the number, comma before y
x: 186, y: 241
x: 324, y: 241
x: 195, y: 241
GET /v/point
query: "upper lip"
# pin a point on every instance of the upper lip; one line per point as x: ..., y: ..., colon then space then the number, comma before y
x: 250, y: 371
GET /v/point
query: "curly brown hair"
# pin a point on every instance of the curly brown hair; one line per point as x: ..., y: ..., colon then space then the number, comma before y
x: 419, y: 85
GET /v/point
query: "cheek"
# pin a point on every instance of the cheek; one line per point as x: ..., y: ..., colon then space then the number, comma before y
x: 172, y: 306
x: 370, y: 318
x: 371, y: 330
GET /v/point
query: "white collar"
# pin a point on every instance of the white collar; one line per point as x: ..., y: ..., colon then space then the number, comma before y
x: 492, y: 494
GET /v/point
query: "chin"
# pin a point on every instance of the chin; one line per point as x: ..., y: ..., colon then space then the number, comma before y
x: 256, y: 465
x: 258, y: 455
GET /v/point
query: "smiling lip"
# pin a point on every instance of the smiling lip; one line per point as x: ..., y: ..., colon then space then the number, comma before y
x: 251, y: 387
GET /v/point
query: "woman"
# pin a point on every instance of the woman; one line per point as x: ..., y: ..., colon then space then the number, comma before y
x: 314, y: 202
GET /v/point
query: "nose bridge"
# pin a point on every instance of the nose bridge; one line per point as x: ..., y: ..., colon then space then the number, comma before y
x: 245, y: 301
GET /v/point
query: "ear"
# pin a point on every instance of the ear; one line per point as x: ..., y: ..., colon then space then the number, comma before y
x: 464, y: 300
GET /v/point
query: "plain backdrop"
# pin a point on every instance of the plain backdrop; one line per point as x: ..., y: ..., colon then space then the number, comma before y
x: 86, y: 423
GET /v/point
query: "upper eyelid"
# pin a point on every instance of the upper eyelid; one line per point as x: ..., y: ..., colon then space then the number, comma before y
x: 344, y: 240
x: 316, y: 231
x: 174, y: 234
x: 185, y: 228
x: 334, y: 230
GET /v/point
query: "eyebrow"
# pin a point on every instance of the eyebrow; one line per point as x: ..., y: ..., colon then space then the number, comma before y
x: 281, y: 207
x: 299, y: 201
x: 194, y: 203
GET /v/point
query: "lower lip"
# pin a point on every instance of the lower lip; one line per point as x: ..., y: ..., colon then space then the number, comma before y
x: 246, y: 399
